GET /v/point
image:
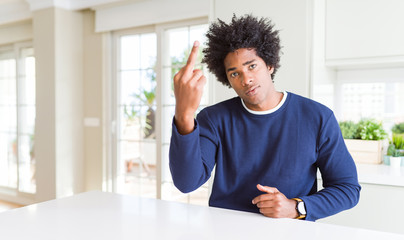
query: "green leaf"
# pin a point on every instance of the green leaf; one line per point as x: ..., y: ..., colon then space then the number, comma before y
x: 348, y: 129
x: 370, y: 129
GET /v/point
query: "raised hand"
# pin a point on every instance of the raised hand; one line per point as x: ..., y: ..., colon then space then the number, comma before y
x: 274, y: 204
x: 188, y: 90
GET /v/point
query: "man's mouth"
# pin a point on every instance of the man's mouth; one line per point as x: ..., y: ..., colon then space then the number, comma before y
x: 251, y: 91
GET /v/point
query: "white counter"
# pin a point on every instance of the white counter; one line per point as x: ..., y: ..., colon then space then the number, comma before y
x: 380, y: 204
x: 380, y: 174
x: 102, y: 216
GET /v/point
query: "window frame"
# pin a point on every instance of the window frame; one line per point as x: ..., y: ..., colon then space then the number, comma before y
x: 111, y: 165
x: 11, y: 193
x: 361, y: 76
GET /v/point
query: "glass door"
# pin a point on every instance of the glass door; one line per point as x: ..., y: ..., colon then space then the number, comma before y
x: 17, y: 121
x: 136, y: 114
x: 146, y: 61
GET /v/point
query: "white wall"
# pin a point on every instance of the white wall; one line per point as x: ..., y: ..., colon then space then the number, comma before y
x: 45, y: 140
x: 93, y: 104
x: 59, y: 76
x: 69, y: 102
x: 16, y: 32
x: 150, y: 12
x: 323, y: 78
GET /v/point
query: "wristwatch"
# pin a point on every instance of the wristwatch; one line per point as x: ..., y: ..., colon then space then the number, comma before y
x: 300, y: 208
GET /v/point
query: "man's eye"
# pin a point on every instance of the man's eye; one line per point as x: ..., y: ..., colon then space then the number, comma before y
x: 234, y: 74
x: 252, y: 66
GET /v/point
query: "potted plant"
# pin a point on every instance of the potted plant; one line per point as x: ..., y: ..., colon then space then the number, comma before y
x: 148, y: 98
x: 364, y: 140
x: 395, y: 157
x: 396, y: 150
x: 398, y: 128
x: 349, y: 129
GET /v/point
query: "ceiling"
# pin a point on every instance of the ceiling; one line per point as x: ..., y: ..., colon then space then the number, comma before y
x: 18, y: 10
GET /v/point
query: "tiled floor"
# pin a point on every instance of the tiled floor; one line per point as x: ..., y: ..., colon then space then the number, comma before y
x: 4, y: 206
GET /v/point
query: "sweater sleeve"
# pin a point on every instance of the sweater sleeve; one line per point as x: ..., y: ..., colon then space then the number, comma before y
x: 339, y: 175
x: 192, y: 157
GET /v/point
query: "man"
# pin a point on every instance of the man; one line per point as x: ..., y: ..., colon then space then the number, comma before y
x: 266, y: 145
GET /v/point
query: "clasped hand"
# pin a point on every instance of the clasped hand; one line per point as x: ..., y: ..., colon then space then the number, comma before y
x: 274, y: 203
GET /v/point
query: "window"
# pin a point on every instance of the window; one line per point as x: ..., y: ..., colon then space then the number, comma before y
x: 143, y: 107
x: 136, y: 137
x: 17, y: 121
x: 363, y: 100
x: 177, y: 44
x: 366, y: 93
x: 372, y: 93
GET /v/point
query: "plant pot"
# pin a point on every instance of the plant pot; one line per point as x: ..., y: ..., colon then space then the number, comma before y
x: 365, y: 151
x: 395, y: 162
x: 150, y: 123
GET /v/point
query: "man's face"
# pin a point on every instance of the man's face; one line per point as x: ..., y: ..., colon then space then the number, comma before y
x: 250, y: 77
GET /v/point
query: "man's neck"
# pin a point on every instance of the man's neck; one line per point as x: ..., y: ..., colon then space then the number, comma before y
x: 279, y: 104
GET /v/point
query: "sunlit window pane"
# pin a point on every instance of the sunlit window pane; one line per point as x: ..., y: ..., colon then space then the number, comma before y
x: 180, y: 41
x: 8, y: 84
x: 8, y: 160
x: 27, y: 88
x: 178, y: 45
x: 382, y: 101
x: 26, y: 116
x: 130, y: 85
x: 137, y: 109
x: 26, y: 164
x: 17, y: 121
x: 148, y: 52
x: 168, y: 113
x: 198, y: 33
x: 363, y: 100
x: 8, y: 121
x: 130, y: 52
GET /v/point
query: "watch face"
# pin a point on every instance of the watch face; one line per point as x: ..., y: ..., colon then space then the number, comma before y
x: 301, y: 208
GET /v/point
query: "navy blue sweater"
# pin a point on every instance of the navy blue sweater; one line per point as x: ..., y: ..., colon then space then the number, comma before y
x: 282, y: 149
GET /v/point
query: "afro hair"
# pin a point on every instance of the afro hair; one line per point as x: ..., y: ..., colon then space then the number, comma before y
x: 243, y: 32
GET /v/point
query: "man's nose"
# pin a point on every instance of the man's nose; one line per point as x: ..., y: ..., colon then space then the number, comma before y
x: 246, y: 78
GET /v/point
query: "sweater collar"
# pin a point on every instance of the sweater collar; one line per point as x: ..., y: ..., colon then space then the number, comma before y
x: 285, y: 94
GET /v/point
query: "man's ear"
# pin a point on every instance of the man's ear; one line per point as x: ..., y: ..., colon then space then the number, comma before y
x: 270, y: 69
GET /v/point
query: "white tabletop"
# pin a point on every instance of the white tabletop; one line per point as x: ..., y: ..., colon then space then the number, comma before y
x: 102, y: 216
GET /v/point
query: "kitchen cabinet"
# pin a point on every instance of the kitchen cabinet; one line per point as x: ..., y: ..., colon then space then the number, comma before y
x: 380, y: 205
x: 364, y: 32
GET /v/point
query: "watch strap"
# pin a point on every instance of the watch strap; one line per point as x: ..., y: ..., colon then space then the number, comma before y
x: 300, y: 215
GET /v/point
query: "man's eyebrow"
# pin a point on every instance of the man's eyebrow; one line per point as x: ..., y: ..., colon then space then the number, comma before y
x: 246, y: 63
x: 231, y: 69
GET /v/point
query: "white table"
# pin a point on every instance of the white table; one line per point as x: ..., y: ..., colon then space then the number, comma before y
x: 99, y: 215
